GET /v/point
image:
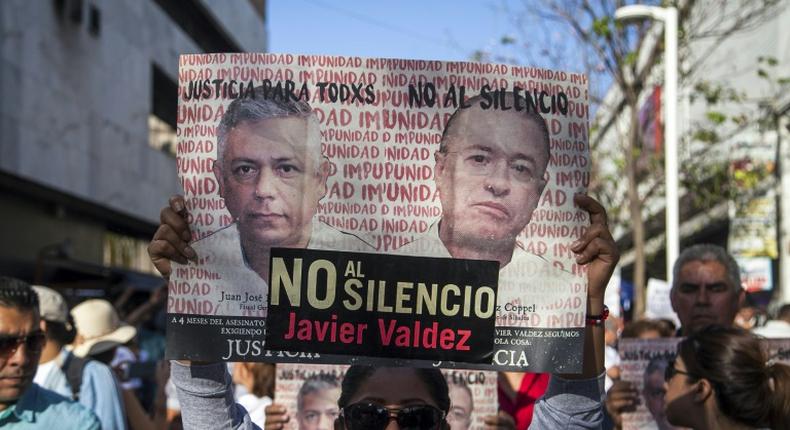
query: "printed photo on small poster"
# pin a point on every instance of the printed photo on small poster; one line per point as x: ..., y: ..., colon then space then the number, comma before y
x: 643, y: 363
x: 310, y: 393
x: 423, y: 159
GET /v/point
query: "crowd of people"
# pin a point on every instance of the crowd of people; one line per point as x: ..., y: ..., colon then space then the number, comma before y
x: 100, y: 364
x: 85, y: 367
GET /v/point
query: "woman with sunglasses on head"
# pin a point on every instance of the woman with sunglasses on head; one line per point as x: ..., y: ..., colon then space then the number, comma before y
x: 722, y: 379
x: 389, y: 398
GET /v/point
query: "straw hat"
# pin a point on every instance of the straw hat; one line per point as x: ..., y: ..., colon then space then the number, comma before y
x: 101, y: 329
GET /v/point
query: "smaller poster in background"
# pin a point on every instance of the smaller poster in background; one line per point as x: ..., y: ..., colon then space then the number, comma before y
x: 753, y: 209
x: 310, y: 392
x: 612, y: 297
x: 473, y: 397
x: 756, y: 274
x: 643, y: 362
x: 658, y: 303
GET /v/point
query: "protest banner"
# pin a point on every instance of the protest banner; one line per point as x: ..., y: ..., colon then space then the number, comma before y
x: 447, y: 315
x: 309, y: 393
x: 756, y: 273
x: 642, y: 362
x: 356, y: 155
x: 752, y: 211
x: 658, y: 303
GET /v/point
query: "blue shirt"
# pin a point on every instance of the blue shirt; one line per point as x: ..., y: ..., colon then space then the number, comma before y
x: 101, y: 394
x: 99, y: 391
x: 43, y: 409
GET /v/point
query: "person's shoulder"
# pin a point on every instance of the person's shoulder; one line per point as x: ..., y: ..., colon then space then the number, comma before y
x: 99, y: 371
x: 56, y: 410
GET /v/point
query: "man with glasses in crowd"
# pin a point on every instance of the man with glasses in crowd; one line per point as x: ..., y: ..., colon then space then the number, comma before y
x: 23, y: 404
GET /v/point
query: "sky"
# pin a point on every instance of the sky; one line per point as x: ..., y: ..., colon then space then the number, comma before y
x: 426, y: 29
x: 435, y: 30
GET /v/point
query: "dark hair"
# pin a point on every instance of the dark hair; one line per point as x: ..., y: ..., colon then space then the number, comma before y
x: 749, y: 388
x: 527, y: 113
x: 264, y: 104
x: 706, y: 252
x: 432, y: 378
x: 784, y: 312
x: 15, y: 293
x: 313, y: 384
x: 262, y: 378
x: 634, y: 329
x: 61, y: 333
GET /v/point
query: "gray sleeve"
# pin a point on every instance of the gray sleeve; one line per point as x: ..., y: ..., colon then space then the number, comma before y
x: 207, y: 399
x: 570, y: 404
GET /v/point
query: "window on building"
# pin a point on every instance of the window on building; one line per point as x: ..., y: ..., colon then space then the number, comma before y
x: 127, y: 252
x: 94, y: 21
x: 164, y: 106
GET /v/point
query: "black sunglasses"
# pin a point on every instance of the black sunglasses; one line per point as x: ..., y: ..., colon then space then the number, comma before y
x: 33, y: 343
x: 372, y: 416
x: 671, y: 371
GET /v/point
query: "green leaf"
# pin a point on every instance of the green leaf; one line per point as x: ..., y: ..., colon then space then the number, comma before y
x: 601, y: 27
x: 507, y: 40
x: 630, y: 58
x: 707, y: 136
x: 762, y: 73
x: 716, y: 117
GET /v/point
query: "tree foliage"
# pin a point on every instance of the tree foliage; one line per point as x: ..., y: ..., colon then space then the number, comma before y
x: 621, y: 60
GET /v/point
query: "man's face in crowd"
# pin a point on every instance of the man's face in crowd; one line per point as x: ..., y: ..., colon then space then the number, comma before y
x: 491, y: 177
x: 269, y: 181
x: 703, y: 296
x: 319, y: 410
x: 18, y: 359
x: 460, y: 415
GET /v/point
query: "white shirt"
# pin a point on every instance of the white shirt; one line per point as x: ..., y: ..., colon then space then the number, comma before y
x: 773, y: 329
x: 50, y: 376
x: 255, y: 407
x: 222, y: 271
x: 527, y: 280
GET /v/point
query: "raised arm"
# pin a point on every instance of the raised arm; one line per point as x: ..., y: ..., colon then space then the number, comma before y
x: 597, y: 249
x: 576, y: 401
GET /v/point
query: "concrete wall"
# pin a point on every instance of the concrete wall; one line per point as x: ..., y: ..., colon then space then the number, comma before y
x: 74, y: 107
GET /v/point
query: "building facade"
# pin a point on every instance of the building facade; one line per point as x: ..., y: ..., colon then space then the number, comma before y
x: 87, y: 126
x: 732, y: 105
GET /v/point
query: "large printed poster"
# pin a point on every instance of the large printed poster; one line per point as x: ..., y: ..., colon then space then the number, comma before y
x: 414, y: 158
x: 310, y: 394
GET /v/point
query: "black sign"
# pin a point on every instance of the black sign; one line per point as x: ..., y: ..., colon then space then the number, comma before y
x: 380, y: 305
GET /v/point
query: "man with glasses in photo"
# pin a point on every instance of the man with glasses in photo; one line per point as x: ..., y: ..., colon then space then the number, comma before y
x: 23, y: 404
x: 491, y: 171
